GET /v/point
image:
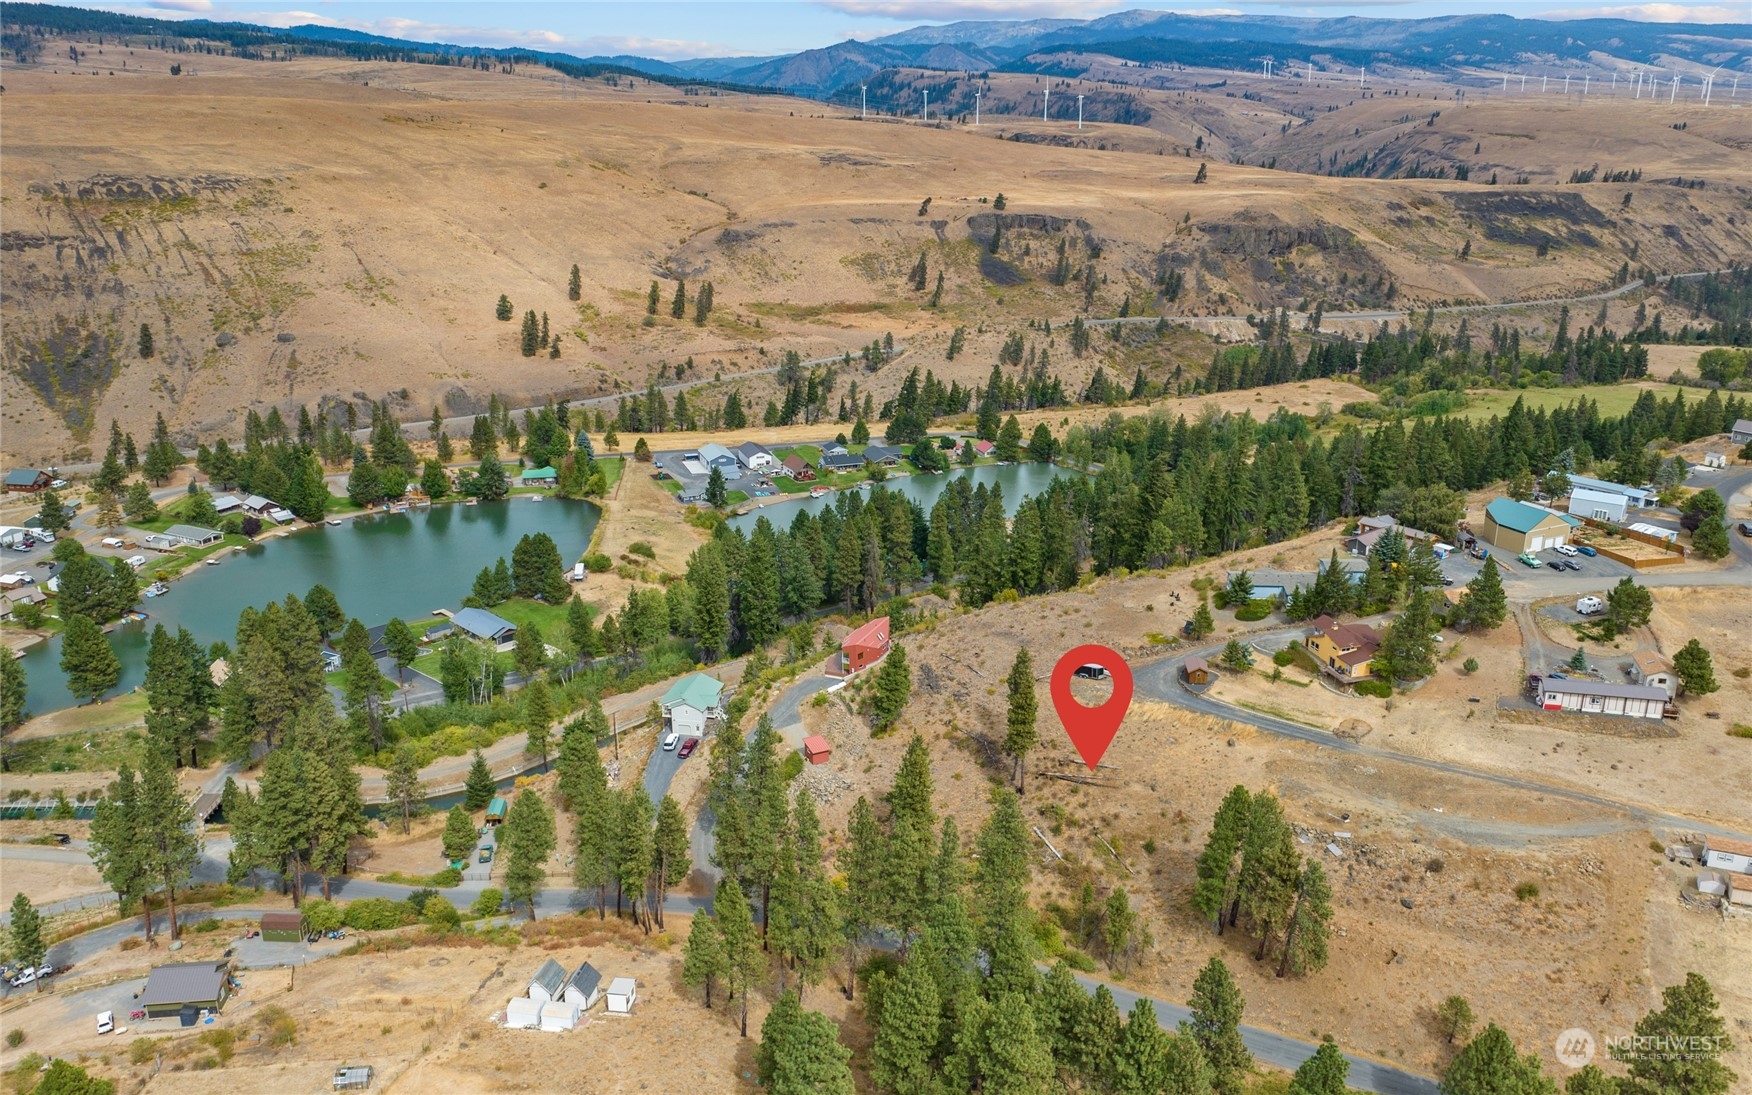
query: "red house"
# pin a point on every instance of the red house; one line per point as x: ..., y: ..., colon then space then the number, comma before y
x: 866, y: 645
x: 816, y: 750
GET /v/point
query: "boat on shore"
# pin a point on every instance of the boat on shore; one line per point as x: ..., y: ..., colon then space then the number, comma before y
x: 156, y: 589
x: 818, y: 492
x: 334, y: 520
x: 472, y: 502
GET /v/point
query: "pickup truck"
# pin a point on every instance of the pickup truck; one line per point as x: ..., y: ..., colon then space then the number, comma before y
x: 1527, y: 559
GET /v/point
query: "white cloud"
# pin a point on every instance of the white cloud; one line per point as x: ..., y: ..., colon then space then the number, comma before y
x: 196, y: 6
x: 1657, y: 13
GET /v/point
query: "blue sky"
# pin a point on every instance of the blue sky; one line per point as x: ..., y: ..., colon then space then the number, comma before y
x: 692, y: 28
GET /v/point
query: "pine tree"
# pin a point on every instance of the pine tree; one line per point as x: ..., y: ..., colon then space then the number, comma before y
x: 1216, y: 865
x: 1216, y: 1006
x: 138, y: 503
x: 1202, y: 623
x: 1015, y: 1058
x: 703, y: 304
x: 1270, y: 870
x: 1310, y: 923
x: 531, y: 336
x: 702, y: 957
x: 13, y: 690
x: 901, y: 1057
x: 744, y: 962
x: 169, y: 846
x: 717, y: 494
x: 26, y: 935
x: 651, y: 299
x: 1096, y: 1039
x: 325, y: 611
x: 86, y: 658
x: 117, y: 842
x: 1020, y: 735
x: 336, y: 809
x: 1454, y: 1019
x: 1484, y: 606
x: 633, y: 851
x: 800, y: 1052
x: 671, y: 856
x: 1010, y: 441
x: 1695, y: 669
x: 585, y: 784
x: 479, y: 788
x: 538, y: 717
x: 459, y: 834
x: 893, y: 689
x: 575, y: 284
x: 1589, y: 1080
x: 146, y: 347
x: 1408, y: 650
x: 402, y: 782
x: 1688, y: 1015
x: 503, y: 310
x: 1140, y: 1061
x: 527, y: 839
x: 1489, y: 1065
x: 677, y: 309
x: 862, y: 863
x: 1322, y: 1074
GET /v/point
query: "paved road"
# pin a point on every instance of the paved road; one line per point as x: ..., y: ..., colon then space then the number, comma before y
x: 1160, y: 680
x: 1280, y: 1050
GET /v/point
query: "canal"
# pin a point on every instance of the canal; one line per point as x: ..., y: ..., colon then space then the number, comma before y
x: 1018, y: 480
x: 400, y: 564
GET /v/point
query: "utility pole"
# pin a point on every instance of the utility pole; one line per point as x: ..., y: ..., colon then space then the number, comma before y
x: 927, y: 105
x: 976, y: 110
x: 1079, y: 112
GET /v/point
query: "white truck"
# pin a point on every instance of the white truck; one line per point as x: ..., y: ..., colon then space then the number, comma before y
x: 1590, y: 606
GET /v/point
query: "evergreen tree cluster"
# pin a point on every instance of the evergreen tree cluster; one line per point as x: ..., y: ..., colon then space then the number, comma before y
x: 1250, y: 872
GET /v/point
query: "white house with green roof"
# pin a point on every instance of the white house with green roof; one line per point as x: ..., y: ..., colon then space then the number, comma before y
x: 691, y: 702
x: 538, y: 477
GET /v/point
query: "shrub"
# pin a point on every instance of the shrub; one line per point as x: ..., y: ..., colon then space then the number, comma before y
x: 1284, y: 657
x: 440, y: 913
x: 141, y: 1050
x: 282, y: 1028
x: 14, y: 1038
x: 487, y: 904
x: 598, y: 563
x: 1079, y: 961
x: 223, y: 1040
x: 1527, y: 891
x: 448, y: 877
x: 321, y: 916
x: 1740, y: 730
x: 376, y: 914
x: 417, y: 900
x: 791, y: 767
x: 641, y: 547
x: 1379, y: 689
x: 1256, y: 609
x: 1470, y: 665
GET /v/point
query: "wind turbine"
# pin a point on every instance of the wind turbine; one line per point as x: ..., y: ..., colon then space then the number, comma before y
x: 976, y: 110
x: 1673, y: 95
x: 1586, y: 81
x: 1543, y: 80
x: 1523, y: 83
x: 1045, y: 97
x: 927, y: 104
x: 864, y: 98
x: 1505, y: 83
x: 1362, y: 74
x: 1566, y: 80
x: 1079, y: 112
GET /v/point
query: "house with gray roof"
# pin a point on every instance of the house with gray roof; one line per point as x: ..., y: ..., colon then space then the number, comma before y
x: 756, y: 457
x: 549, y: 981
x: 714, y: 455
x: 1641, y: 701
x: 882, y: 454
x: 584, y: 987
x: 478, y: 623
x: 170, y: 989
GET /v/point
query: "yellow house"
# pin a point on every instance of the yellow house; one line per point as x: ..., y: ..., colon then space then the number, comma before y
x: 1343, y: 650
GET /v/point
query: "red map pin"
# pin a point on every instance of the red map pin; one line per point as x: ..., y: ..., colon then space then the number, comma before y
x: 1091, y: 728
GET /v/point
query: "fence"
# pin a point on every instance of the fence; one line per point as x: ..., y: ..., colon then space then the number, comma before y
x: 1632, y: 534
x: 1636, y: 563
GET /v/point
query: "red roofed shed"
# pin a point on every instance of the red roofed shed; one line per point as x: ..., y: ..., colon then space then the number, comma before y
x: 816, y: 750
x: 866, y: 645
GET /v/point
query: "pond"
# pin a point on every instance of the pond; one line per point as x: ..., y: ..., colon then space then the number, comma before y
x: 400, y: 564
x: 1018, y: 480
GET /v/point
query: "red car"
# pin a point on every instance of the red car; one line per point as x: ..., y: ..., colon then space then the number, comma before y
x: 687, y: 748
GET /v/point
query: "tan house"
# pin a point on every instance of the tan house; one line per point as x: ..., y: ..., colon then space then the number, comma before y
x: 1655, y: 671
x: 1344, y: 651
x: 1517, y: 527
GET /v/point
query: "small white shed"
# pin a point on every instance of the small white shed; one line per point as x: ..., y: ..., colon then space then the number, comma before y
x: 622, y: 993
x: 558, y: 1015
x: 583, y: 988
x: 523, y: 1013
x: 547, y: 982
x: 1722, y: 853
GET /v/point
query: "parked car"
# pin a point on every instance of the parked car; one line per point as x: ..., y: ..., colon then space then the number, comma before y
x: 1528, y: 560
x: 1091, y: 672
x: 1745, y: 529
x: 58, y: 483
x: 487, y: 854
x: 106, y: 1022
x: 1565, y: 549
x: 687, y: 748
x: 670, y: 741
x: 1588, y: 551
x: 23, y: 979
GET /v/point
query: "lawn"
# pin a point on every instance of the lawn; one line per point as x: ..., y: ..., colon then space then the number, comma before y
x: 1614, y: 399
x: 169, y: 566
x: 427, y: 663
x: 612, y: 469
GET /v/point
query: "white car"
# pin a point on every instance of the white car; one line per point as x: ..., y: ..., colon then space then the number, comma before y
x: 58, y: 483
x: 24, y: 979
x: 1565, y: 549
x: 671, y: 740
x: 106, y: 1022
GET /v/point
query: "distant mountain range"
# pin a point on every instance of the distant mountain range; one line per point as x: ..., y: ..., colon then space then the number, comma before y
x: 1045, y: 45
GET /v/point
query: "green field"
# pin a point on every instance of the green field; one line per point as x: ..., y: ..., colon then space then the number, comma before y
x: 611, y: 469
x: 1614, y: 399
